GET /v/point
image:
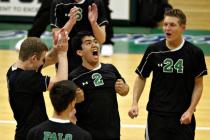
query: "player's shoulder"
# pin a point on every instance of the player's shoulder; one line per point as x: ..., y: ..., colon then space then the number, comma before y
x: 110, y: 68
x: 157, y: 46
x: 85, y: 135
x: 39, y: 127
x: 107, y: 66
x: 17, y: 72
x: 192, y: 47
x: 77, y: 71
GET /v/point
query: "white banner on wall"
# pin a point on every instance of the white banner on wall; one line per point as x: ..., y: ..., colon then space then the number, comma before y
x: 121, y: 9
x: 19, y: 8
x: 29, y: 8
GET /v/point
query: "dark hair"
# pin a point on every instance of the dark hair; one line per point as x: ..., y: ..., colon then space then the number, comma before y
x: 31, y: 46
x: 76, y: 42
x: 177, y: 13
x: 62, y: 94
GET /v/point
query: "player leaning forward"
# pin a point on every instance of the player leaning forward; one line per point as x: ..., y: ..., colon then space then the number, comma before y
x: 26, y: 83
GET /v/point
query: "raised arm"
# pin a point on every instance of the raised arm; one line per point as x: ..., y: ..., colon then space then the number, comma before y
x: 52, y: 55
x: 98, y: 31
x: 61, y: 43
x: 71, y: 22
x: 73, y: 13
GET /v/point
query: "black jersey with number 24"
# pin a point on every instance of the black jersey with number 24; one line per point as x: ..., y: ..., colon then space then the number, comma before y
x: 174, y: 72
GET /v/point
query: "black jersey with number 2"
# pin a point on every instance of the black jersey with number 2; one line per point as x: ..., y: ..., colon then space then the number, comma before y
x: 98, y: 114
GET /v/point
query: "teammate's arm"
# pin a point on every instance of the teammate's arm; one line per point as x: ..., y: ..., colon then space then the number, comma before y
x: 72, y: 20
x: 197, y: 92
x: 121, y: 87
x: 52, y: 55
x: 137, y: 91
x: 98, y: 31
x: 62, y: 48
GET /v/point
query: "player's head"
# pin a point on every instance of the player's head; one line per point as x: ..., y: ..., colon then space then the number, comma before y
x: 63, y: 96
x: 174, y: 25
x: 87, y: 47
x: 34, y: 50
x: 32, y: 46
x: 178, y: 14
x: 77, y: 40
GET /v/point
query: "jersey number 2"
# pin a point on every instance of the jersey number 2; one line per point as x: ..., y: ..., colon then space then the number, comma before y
x: 98, y: 81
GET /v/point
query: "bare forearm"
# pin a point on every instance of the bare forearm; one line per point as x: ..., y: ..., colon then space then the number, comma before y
x: 68, y: 26
x: 62, y: 71
x: 99, y: 32
x: 197, y: 92
x: 138, y: 89
x: 51, y: 57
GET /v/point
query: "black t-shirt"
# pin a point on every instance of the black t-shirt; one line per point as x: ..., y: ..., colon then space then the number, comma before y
x: 61, y: 9
x: 174, y: 72
x: 59, y: 17
x: 98, y: 113
x: 54, y: 130
x: 26, y: 99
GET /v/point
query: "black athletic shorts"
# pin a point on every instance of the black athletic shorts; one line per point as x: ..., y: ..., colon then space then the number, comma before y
x: 168, y: 127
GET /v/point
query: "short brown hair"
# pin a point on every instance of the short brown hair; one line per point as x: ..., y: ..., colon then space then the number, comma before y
x: 62, y: 94
x: 177, y: 13
x: 32, y: 46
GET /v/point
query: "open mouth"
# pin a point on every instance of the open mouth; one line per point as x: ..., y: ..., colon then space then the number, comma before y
x: 168, y: 34
x: 95, y: 53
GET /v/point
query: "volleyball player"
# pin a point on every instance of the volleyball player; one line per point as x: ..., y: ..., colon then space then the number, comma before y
x: 79, y: 15
x: 98, y: 113
x: 26, y: 84
x: 177, y: 82
x: 62, y: 124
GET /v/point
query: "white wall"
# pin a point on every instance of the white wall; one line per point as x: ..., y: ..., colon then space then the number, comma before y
x: 120, y: 8
x: 17, y: 8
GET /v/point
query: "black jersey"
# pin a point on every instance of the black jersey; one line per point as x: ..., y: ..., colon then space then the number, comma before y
x: 55, y: 130
x: 61, y: 9
x: 174, y: 72
x: 26, y: 98
x: 59, y: 17
x: 98, y: 113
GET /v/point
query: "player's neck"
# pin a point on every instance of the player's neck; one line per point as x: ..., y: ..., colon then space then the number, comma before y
x: 91, y: 66
x: 61, y: 116
x: 174, y: 44
x: 23, y: 65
